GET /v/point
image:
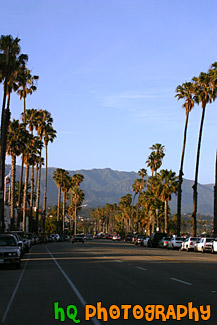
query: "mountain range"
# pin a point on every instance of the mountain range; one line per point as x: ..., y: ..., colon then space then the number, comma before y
x: 103, y: 186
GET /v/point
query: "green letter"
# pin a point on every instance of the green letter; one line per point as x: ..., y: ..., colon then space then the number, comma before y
x: 72, y: 315
x: 58, y: 310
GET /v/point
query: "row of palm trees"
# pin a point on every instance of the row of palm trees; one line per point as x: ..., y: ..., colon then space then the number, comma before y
x: 72, y: 194
x: 200, y: 90
x: 150, y: 212
x: 15, y: 138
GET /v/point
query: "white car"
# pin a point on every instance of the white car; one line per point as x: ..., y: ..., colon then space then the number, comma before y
x: 145, y: 241
x: 116, y: 237
x: 175, y: 242
x: 214, y: 246
x: 189, y: 243
x: 204, y: 244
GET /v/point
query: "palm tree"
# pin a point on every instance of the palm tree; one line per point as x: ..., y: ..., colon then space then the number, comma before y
x: 26, y: 86
x: 9, y: 51
x: 203, y: 95
x: 15, y: 146
x: 155, y: 158
x: 32, y: 149
x: 43, y: 121
x: 66, y: 184
x: 77, y: 199
x: 166, y: 183
x: 58, y: 179
x: 185, y: 91
x: 215, y: 201
x: 49, y: 136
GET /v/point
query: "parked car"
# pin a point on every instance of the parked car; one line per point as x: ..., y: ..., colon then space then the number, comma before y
x: 175, y: 242
x: 77, y: 239
x: 116, y: 237
x: 164, y: 242
x: 25, y: 240
x: 146, y: 241
x: 155, y: 238
x: 128, y: 237
x: 214, y: 246
x: 204, y: 244
x: 139, y: 240
x: 189, y: 243
x: 9, y: 250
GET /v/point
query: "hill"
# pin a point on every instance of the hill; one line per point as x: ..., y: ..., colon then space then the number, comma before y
x: 103, y: 186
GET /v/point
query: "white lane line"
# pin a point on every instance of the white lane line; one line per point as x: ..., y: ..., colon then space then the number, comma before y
x: 14, y: 293
x: 141, y: 268
x: 174, y: 279
x: 118, y: 261
x: 72, y: 285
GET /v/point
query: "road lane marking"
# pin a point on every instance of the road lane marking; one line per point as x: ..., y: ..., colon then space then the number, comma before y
x: 72, y: 285
x: 174, y: 279
x: 14, y: 294
x: 118, y: 261
x: 141, y: 268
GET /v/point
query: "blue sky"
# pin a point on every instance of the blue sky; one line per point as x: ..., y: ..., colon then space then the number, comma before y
x: 108, y: 72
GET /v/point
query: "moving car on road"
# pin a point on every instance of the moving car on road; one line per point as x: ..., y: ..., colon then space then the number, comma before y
x: 9, y: 250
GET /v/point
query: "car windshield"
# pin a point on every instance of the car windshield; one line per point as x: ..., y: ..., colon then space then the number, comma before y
x: 194, y: 238
x: 180, y: 238
x: 209, y: 240
x: 7, y: 241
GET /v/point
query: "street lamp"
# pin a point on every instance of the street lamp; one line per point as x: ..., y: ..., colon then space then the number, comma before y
x: 157, y: 228
x: 76, y: 207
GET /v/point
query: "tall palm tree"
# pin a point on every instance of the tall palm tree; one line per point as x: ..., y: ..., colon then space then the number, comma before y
x: 32, y: 149
x: 77, y: 199
x: 43, y: 121
x: 155, y: 158
x: 66, y: 184
x: 58, y: 179
x: 203, y: 95
x: 185, y: 91
x: 17, y: 136
x: 166, y: 184
x: 49, y: 136
x: 9, y: 51
x: 26, y: 84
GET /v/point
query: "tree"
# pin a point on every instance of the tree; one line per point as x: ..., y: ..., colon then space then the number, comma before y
x: 203, y: 95
x: 155, y: 158
x: 58, y: 179
x: 185, y: 91
x: 49, y: 136
x: 32, y: 149
x: 9, y: 51
x: 166, y: 184
x: 15, y: 146
x: 65, y: 186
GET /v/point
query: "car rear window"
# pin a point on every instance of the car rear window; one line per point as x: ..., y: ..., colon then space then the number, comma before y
x: 7, y: 241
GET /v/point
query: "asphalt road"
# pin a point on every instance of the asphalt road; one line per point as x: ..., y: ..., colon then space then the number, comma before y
x: 113, y: 273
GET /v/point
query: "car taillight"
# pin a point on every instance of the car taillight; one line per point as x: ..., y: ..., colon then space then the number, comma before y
x: 191, y: 243
x: 166, y: 242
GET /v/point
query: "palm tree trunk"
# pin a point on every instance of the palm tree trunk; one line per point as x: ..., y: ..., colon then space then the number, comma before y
x: 2, y: 141
x: 31, y: 200
x: 215, y: 201
x: 25, y: 197
x: 195, y: 194
x: 64, y: 199
x: 166, y: 217
x: 58, y: 203
x: 38, y: 193
x: 13, y: 176
x: 179, y: 195
x: 45, y: 190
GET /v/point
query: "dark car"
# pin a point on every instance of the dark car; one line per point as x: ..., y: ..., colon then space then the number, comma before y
x: 9, y: 250
x: 128, y: 238
x: 77, y: 238
x: 155, y: 238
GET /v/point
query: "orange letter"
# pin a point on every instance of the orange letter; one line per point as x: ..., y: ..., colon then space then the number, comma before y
x: 138, y: 312
x: 191, y: 311
x: 89, y: 314
x: 149, y: 309
x: 160, y: 311
x: 114, y: 312
x: 101, y: 310
x: 179, y: 314
x: 207, y: 312
x: 171, y: 312
x: 126, y: 310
